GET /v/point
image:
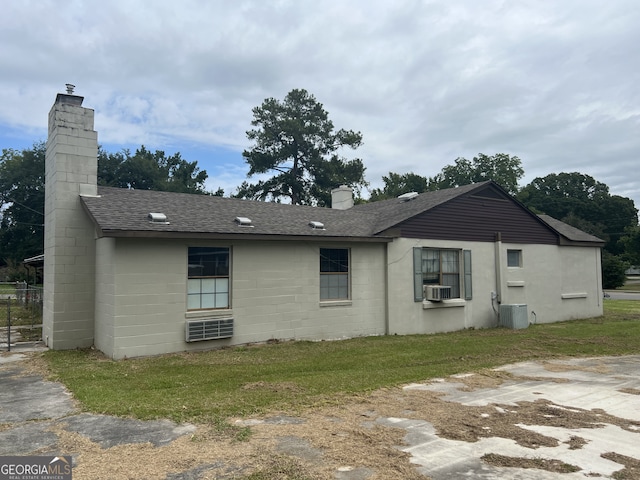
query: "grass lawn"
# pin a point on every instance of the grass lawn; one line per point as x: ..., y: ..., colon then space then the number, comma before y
x: 211, y: 386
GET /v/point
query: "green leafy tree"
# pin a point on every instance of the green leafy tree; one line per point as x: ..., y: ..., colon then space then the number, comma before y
x: 21, y: 203
x: 146, y: 170
x: 296, y: 142
x: 630, y: 242
x: 22, y: 190
x: 613, y: 271
x: 583, y: 202
x: 505, y: 170
x: 396, y: 184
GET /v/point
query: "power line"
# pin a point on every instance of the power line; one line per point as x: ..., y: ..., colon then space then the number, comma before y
x: 25, y: 206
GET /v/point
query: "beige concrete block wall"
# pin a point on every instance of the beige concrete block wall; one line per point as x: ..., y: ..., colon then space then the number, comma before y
x: 275, y: 295
x: 70, y: 169
x: 409, y: 317
x: 105, y: 295
x: 557, y: 283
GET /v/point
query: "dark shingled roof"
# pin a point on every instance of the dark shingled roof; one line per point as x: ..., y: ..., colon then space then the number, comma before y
x: 124, y: 212
x: 571, y: 233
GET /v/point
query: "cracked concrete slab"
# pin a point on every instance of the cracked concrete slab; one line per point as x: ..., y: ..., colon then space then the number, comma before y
x: 608, y: 385
x: 26, y: 438
x: 110, y: 431
x: 29, y: 397
x: 32, y: 407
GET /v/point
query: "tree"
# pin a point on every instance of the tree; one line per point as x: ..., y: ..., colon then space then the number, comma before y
x: 613, y: 271
x: 22, y: 189
x: 630, y: 242
x: 146, y: 170
x: 22, y: 203
x: 583, y: 202
x: 396, y: 184
x: 503, y: 169
x: 296, y: 141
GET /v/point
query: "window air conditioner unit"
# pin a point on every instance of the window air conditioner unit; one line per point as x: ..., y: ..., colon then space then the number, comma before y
x: 514, y: 316
x: 209, y: 329
x: 437, y: 293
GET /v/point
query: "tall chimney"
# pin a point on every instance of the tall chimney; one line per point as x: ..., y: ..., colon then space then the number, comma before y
x: 69, y: 247
x: 342, y: 198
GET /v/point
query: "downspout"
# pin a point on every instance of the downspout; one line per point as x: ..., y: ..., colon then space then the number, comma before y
x: 498, y: 266
x: 386, y: 288
x: 599, y: 286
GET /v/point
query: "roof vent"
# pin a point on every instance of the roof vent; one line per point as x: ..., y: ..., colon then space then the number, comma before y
x: 405, y: 197
x: 317, y: 225
x: 157, y: 218
x: 243, y: 222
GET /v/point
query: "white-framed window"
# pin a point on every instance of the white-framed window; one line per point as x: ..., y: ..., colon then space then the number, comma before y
x: 208, y: 283
x: 514, y: 258
x: 334, y: 274
x: 442, y: 266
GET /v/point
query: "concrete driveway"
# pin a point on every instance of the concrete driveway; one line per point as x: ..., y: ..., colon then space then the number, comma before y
x: 561, y: 419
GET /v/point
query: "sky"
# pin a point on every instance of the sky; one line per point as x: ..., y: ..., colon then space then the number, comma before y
x: 555, y: 83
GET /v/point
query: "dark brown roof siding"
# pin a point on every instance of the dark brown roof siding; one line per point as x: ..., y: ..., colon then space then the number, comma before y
x: 477, y: 219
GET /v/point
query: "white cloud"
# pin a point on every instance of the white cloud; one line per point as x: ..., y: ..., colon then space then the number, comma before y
x: 424, y: 81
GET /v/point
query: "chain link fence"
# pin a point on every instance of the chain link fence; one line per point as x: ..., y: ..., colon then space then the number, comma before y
x: 20, y: 314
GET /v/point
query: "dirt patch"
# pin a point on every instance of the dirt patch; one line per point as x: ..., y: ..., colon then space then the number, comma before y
x: 576, y: 443
x: 555, y: 466
x: 494, y: 378
x: 561, y: 367
x: 631, y: 391
x: 631, y: 470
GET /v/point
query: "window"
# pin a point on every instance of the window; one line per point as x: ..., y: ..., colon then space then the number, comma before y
x: 208, y: 278
x: 334, y: 274
x: 514, y: 258
x: 442, y: 267
x: 446, y: 267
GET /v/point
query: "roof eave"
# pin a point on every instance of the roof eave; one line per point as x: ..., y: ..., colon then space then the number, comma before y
x: 114, y: 233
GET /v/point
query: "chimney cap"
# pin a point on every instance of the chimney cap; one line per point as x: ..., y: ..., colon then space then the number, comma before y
x: 70, y: 88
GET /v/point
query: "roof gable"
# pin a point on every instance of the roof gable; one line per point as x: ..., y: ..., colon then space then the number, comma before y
x: 480, y: 215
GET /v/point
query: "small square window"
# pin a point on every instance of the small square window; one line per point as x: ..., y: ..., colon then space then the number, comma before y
x: 514, y: 258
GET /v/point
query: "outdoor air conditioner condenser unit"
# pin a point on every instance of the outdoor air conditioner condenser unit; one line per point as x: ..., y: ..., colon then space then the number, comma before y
x: 437, y: 293
x: 514, y: 316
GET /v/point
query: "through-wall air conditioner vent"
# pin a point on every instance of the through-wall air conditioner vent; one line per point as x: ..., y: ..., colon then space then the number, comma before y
x: 156, y: 217
x: 210, y: 329
x: 514, y: 316
x: 437, y: 293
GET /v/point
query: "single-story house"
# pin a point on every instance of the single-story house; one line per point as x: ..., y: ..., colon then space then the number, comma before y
x: 138, y: 272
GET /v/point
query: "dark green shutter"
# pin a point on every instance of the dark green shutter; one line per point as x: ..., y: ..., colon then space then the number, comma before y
x: 468, y: 291
x: 418, y: 291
